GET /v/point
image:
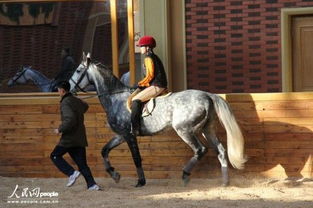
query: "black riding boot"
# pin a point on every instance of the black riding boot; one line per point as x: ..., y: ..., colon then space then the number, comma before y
x: 135, y: 117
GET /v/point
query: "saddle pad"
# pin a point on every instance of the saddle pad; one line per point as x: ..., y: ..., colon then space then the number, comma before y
x: 149, y: 105
x: 148, y: 108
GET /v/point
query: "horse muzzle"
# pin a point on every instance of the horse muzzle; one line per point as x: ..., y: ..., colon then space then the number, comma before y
x: 11, y: 83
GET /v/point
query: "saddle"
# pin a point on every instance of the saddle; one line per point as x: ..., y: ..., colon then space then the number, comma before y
x: 149, y: 105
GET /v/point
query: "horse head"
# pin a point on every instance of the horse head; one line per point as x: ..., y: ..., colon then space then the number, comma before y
x: 80, y: 79
x: 19, y: 77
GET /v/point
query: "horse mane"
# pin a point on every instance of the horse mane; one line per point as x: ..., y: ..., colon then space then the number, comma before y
x: 36, y: 72
x: 112, y: 81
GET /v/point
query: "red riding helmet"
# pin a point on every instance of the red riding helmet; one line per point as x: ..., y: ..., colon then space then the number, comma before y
x: 147, y: 41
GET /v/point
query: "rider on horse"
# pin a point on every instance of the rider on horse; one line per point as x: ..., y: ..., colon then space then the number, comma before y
x: 153, y: 84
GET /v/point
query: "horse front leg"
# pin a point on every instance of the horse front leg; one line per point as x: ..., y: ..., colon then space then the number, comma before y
x: 133, y: 146
x: 114, y: 142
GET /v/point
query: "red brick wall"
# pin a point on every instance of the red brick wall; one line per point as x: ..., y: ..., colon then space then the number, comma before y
x: 40, y: 46
x: 235, y: 46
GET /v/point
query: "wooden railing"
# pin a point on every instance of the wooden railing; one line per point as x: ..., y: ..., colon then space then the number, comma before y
x: 278, y: 130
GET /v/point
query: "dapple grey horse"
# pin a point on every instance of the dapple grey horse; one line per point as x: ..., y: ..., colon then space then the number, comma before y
x: 189, y: 113
x: 29, y: 74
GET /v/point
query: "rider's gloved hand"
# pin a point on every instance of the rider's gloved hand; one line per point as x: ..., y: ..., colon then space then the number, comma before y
x: 136, y: 86
x: 140, y: 87
x: 133, y: 88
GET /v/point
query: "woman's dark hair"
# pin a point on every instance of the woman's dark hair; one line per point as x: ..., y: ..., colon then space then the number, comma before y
x: 64, y: 85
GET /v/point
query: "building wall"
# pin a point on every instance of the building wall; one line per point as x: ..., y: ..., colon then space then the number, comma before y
x: 40, y: 46
x: 235, y: 45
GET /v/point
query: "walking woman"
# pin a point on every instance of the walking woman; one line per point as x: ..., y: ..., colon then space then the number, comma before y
x: 73, y: 140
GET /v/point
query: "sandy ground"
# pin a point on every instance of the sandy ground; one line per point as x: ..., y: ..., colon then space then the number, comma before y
x: 243, y: 192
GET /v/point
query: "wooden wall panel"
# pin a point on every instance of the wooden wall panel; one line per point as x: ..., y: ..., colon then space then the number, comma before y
x: 278, y: 131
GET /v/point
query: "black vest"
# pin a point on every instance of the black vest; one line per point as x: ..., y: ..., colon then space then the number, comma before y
x: 159, y: 79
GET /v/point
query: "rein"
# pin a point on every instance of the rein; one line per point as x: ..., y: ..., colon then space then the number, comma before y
x: 106, y: 93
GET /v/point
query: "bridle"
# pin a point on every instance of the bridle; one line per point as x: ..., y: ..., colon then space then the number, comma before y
x: 22, y: 73
x: 77, y: 87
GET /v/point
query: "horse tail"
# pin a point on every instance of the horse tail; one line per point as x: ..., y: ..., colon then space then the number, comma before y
x: 235, y: 140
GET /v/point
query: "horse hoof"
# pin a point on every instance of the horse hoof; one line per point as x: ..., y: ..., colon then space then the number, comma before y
x: 225, y: 184
x: 186, y: 181
x: 116, y: 177
x: 141, y: 183
x: 186, y: 178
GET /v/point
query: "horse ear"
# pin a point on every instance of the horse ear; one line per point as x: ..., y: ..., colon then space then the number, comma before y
x: 84, y: 57
x: 88, y: 59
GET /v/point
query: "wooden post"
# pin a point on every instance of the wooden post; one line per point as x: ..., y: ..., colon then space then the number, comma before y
x: 114, y: 32
x: 132, y: 63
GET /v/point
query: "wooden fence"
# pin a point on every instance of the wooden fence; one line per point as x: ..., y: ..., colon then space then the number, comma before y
x: 277, y: 128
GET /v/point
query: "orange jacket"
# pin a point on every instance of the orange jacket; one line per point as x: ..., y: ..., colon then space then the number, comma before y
x: 155, y: 73
x: 149, y: 66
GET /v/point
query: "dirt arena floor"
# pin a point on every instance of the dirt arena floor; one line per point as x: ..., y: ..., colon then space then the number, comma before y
x: 243, y: 192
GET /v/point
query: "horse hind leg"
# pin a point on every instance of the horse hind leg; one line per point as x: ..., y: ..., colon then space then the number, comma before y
x: 199, y: 151
x: 210, y: 136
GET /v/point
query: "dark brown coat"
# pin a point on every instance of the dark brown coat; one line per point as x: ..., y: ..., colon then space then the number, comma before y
x: 72, y: 126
